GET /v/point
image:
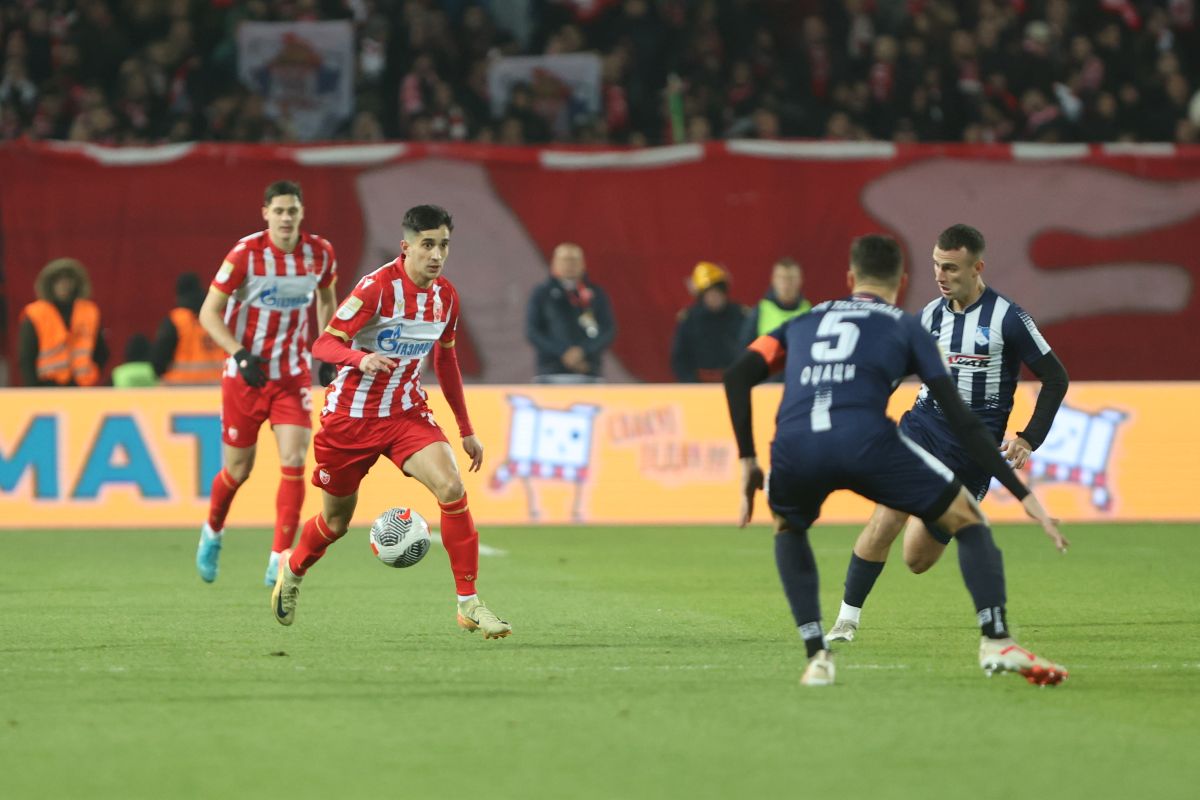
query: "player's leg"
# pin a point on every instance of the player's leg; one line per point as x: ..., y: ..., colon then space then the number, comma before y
x: 319, y: 532
x: 866, y: 562
x: 434, y: 466
x: 795, y: 498
x: 292, y: 441
x: 238, y: 463
x: 905, y: 476
x: 243, y: 411
x: 798, y: 572
x: 982, y: 567
x: 922, y: 547
x: 345, y: 450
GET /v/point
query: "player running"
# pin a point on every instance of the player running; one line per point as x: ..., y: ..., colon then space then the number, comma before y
x: 376, y: 407
x: 257, y: 310
x: 986, y: 338
x: 842, y: 362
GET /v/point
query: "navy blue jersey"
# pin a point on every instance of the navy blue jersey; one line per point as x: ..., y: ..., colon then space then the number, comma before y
x: 985, y: 346
x: 843, y: 361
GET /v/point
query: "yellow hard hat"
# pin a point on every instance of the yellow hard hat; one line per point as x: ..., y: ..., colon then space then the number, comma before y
x: 706, y: 274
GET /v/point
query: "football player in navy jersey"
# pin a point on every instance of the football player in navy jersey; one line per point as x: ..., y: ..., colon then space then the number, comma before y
x: 987, y: 338
x: 841, y: 363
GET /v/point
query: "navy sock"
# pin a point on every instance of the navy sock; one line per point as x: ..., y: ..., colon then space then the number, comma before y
x: 860, y: 579
x: 983, y: 571
x: 798, y: 571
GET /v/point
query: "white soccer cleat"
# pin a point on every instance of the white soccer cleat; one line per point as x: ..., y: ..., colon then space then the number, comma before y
x: 842, y: 631
x: 473, y: 615
x: 820, y: 671
x: 286, y: 593
x: 1005, y: 655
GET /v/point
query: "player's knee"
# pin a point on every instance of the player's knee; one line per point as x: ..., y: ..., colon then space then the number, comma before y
x: 450, y: 489
x: 293, y: 459
x: 918, y: 562
x: 239, y: 470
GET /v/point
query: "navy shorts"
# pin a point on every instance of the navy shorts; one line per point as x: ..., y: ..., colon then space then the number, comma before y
x: 878, y: 463
x: 936, y: 438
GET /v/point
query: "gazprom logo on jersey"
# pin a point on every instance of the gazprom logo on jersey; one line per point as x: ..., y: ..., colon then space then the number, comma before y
x: 389, y: 342
x: 271, y: 297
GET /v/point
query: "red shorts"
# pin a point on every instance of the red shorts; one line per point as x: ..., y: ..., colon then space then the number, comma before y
x: 347, y: 447
x: 287, y: 401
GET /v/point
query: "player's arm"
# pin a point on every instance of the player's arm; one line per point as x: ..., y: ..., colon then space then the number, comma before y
x: 1053, y: 375
x: 213, y: 321
x: 1022, y: 335
x: 333, y: 345
x: 981, y: 447
x: 326, y: 304
x: 751, y: 369
x: 449, y: 375
x: 248, y: 364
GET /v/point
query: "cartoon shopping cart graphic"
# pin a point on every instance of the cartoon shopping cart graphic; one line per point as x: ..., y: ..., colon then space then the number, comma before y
x: 548, y: 444
x: 1077, y: 451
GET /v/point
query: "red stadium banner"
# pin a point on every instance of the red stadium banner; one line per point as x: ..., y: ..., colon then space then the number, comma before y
x: 1096, y: 241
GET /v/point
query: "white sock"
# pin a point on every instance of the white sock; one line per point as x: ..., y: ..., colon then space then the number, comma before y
x: 849, y: 612
x: 462, y: 598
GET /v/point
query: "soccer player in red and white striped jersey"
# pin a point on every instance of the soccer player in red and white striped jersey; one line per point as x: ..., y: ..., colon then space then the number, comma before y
x: 376, y: 407
x: 257, y: 310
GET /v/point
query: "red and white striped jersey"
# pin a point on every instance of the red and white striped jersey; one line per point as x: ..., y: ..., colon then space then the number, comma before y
x: 389, y: 314
x: 270, y: 292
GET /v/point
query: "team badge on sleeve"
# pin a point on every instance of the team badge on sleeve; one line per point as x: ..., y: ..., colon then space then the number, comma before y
x: 349, y: 308
x: 224, y: 272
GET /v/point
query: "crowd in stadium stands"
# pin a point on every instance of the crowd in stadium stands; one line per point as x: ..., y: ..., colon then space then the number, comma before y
x: 146, y: 71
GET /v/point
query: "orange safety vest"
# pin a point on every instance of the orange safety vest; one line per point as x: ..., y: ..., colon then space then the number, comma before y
x: 64, y: 354
x: 198, y: 359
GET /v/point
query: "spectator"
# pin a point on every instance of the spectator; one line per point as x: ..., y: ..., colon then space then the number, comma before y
x: 707, y: 333
x: 889, y: 69
x: 183, y: 353
x: 784, y: 299
x: 569, y: 321
x: 136, y: 372
x: 59, y: 342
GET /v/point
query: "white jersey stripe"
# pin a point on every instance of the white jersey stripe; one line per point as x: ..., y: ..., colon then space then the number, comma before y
x: 996, y: 347
x: 359, y: 401
x: 389, y: 391
x: 966, y: 377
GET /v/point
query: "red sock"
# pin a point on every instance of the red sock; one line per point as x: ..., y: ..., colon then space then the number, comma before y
x: 461, y: 541
x: 315, y: 537
x: 288, y: 500
x: 224, y: 487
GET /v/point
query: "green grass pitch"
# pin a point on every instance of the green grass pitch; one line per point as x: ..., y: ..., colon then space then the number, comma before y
x: 646, y: 663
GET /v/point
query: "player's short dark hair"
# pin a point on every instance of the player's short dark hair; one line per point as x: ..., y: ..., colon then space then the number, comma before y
x: 789, y: 262
x: 426, y: 218
x: 960, y: 235
x: 279, y: 189
x: 878, y: 257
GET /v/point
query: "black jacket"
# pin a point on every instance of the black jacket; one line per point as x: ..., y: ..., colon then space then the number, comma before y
x: 706, y: 342
x: 553, y: 324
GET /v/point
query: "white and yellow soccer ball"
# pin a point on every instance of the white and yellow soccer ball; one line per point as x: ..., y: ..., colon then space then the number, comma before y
x: 400, y: 537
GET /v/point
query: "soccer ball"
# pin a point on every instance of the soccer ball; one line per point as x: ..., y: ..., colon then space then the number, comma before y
x: 400, y: 537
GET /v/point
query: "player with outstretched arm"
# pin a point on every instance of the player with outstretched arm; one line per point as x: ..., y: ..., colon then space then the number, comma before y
x: 986, y: 338
x: 842, y: 361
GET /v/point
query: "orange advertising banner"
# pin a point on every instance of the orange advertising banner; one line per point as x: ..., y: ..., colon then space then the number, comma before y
x: 107, y: 458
